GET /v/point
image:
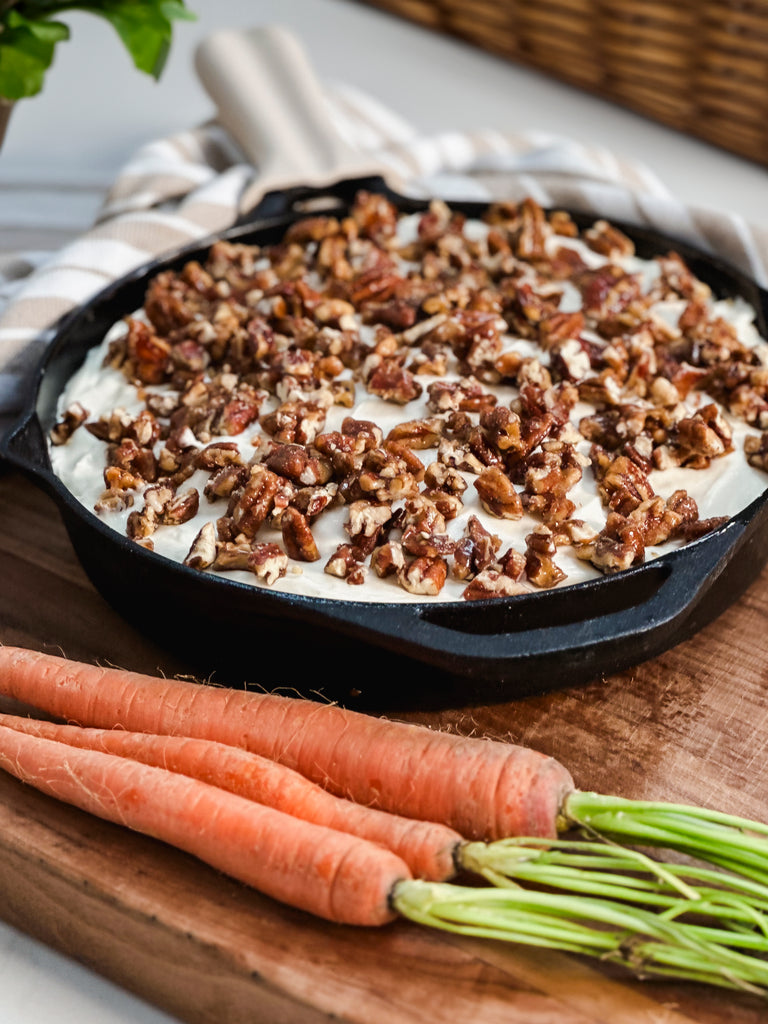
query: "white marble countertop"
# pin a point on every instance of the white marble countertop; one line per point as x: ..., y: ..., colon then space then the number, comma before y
x: 65, y: 146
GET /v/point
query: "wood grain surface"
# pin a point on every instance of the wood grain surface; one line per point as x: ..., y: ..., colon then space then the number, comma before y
x: 690, y: 725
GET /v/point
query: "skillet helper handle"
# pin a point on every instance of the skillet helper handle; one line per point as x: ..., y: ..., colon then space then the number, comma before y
x: 620, y: 638
x: 24, y: 447
x: 271, y: 103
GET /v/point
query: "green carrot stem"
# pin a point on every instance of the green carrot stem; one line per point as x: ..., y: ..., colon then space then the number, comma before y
x: 733, y: 843
x: 641, y: 940
x: 561, y: 864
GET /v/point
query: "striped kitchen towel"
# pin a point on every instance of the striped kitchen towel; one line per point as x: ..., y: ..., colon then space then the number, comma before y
x: 183, y: 188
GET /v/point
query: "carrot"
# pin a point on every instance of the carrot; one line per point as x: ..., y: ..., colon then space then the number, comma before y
x: 481, y: 788
x: 349, y: 880
x: 426, y: 847
x: 331, y: 874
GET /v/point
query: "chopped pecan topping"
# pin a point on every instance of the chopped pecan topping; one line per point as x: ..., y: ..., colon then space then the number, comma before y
x: 424, y: 576
x: 346, y: 563
x: 74, y: 416
x: 297, y: 536
x: 540, y: 566
x: 498, y: 495
x: 489, y: 584
x: 255, y: 501
x: 202, y: 554
x: 499, y: 337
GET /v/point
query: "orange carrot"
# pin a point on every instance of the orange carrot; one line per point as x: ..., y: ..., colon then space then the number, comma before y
x: 427, y: 848
x: 481, y: 788
x: 331, y: 874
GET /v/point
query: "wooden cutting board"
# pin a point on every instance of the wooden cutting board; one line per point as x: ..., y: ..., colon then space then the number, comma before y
x: 691, y: 725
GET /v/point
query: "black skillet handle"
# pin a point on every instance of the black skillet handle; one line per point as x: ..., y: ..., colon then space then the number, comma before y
x: 271, y: 103
x: 25, y: 448
x: 589, y: 638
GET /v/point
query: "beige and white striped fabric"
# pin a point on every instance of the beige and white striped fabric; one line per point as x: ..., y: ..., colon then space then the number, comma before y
x: 185, y: 187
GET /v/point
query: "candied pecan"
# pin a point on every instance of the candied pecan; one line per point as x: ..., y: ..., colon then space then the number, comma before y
x: 606, y: 239
x: 254, y: 503
x: 217, y: 455
x: 128, y: 456
x: 117, y: 479
x: 149, y: 355
x: 181, y: 508
x: 419, y: 434
x: 756, y: 450
x: 113, y: 500
x: 202, y: 553
x: 554, y: 470
x: 438, y: 476
x: 540, y: 567
x: 702, y: 437
x: 295, y: 463
x: 485, y: 453
x: 498, y: 495
x: 622, y: 484
x: 311, y: 501
x: 375, y: 216
x: 690, y: 531
x: 448, y: 505
x: 501, y: 428
x: 475, y: 551
x: 239, y: 411
x: 458, y: 456
x: 346, y: 563
x: 72, y: 418
x: 114, y: 427
x: 295, y: 422
x: 365, y: 523
x: 231, y: 555
x: 393, y: 383
x: 512, y: 564
x: 466, y: 395
x: 490, y: 584
x: 618, y: 546
x: 554, y: 509
x: 140, y: 525
x: 268, y: 562
x: 297, y: 536
x: 557, y: 328
x: 224, y: 481
x: 424, y: 576
x: 388, y: 559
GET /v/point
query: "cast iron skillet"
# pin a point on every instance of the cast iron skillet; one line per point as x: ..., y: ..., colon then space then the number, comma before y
x: 376, y: 655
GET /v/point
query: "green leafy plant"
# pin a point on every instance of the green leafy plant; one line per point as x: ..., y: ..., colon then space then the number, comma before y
x: 30, y: 30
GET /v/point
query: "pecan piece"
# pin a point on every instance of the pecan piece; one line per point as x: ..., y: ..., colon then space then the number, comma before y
x: 268, y: 562
x: 498, y: 495
x: 419, y: 434
x: 490, y: 584
x: 73, y: 417
x: 424, y: 576
x: 392, y: 382
x: 618, y: 546
x: 181, y: 508
x: 202, y: 553
x: 256, y: 500
x: 365, y: 523
x: 297, y: 536
x: 232, y: 555
x: 475, y: 551
x: 346, y: 563
x: 756, y: 450
x: 388, y: 559
x: 540, y: 566
x: 296, y: 464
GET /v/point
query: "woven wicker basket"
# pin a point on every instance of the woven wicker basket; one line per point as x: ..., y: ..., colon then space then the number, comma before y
x: 700, y: 66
